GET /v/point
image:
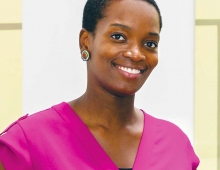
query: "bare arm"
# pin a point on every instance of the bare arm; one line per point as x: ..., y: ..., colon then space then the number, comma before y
x: 1, y: 167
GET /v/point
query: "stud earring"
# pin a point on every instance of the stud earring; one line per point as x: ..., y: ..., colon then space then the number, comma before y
x: 85, y: 55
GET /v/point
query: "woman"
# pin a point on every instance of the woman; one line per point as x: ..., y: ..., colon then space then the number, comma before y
x: 102, y: 130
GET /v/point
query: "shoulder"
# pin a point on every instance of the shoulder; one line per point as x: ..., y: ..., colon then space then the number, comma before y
x: 165, y: 129
x: 29, y: 121
x: 14, y: 150
x: 17, y: 142
x: 33, y: 124
x: 36, y: 121
x: 171, y: 142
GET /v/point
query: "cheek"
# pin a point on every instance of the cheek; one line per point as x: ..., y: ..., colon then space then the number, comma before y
x: 100, y: 61
x: 104, y: 54
x: 153, y: 61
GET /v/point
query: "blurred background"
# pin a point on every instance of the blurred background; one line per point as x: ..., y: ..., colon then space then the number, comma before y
x: 40, y: 66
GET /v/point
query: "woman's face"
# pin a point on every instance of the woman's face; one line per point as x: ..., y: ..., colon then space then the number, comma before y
x: 124, y: 48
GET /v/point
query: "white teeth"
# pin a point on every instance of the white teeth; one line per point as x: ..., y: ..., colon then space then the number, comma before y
x: 129, y: 70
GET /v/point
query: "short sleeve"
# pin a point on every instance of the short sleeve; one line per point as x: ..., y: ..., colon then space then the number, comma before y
x: 14, y: 153
x: 192, y: 157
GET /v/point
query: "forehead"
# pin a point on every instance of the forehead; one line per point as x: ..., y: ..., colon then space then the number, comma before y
x: 132, y: 13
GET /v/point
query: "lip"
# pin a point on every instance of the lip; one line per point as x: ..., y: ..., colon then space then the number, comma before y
x: 130, y: 71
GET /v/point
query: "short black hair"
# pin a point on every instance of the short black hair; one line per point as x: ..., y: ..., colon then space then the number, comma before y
x: 94, y: 11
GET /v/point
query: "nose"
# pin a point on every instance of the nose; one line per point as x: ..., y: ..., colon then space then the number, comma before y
x: 134, y: 54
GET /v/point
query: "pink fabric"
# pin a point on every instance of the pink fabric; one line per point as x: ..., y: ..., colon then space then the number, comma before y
x: 57, y: 139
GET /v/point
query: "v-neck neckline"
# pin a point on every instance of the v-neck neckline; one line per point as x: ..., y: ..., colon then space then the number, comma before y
x: 79, y: 128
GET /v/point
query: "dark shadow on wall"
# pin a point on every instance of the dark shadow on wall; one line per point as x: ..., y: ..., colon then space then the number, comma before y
x: 11, y: 26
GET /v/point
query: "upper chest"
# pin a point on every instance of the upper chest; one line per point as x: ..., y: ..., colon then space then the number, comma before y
x: 121, y: 147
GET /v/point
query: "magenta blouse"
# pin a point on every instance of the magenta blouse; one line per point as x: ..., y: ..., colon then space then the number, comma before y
x: 57, y: 139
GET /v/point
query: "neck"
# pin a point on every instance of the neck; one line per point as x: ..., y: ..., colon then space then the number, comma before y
x: 98, y: 107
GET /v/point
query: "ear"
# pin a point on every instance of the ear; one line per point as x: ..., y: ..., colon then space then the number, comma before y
x: 84, y: 39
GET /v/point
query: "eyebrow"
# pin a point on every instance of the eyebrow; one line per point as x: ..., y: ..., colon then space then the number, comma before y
x: 121, y: 25
x: 129, y: 28
x: 154, y: 34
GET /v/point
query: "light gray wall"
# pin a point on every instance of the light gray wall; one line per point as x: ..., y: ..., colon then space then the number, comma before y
x: 53, y: 71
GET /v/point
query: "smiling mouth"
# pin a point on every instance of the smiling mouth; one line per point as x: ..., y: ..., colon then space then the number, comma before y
x: 129, y: 70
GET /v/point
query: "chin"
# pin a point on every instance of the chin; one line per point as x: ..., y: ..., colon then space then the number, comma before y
x: 124, y: 92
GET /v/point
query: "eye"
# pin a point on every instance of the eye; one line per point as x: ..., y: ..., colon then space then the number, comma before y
x: 151, y: 44
x: 118, y: 37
